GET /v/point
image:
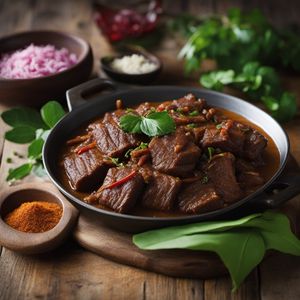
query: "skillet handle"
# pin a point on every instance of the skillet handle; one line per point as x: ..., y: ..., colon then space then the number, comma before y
x: 76, y: 96
x: 280, y: 191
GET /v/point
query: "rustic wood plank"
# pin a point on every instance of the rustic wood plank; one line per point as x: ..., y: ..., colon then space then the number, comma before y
x: 83, y: 275
x: 280, y: 278
x: 219, y: 289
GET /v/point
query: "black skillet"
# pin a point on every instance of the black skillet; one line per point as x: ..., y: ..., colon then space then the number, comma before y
x: 82, y: 111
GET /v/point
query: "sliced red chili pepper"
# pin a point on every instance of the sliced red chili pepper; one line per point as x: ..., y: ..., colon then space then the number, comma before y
x: 86, y: 147
x: 118, y: 182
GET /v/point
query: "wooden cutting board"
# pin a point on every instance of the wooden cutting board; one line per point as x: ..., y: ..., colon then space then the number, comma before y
x: 117, y: 246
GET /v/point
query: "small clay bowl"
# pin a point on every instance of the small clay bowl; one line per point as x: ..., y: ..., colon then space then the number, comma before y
x: 145, y: 78
x: 36, y: 91
x: 32, y: 243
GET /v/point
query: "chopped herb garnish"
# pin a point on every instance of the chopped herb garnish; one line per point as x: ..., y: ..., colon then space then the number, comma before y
x: 219, y: 126
x: 179, y: 111
x: 191, y: 125
x: 211, y: 152
x: 141, y: 146
x: 194, y: 113
x: 128, y: 110
x: 116, y: 161
x: 215, y: 119
x: 204, y: 179
x: 9, y: 160
x: 244, y: 129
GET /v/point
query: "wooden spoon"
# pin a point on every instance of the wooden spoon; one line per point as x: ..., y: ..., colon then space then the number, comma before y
x: 29, y: 243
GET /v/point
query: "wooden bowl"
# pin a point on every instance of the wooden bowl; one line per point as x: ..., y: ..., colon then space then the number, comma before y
x: 36, y: 91
x: 145, y: 78
x: 30, y: 243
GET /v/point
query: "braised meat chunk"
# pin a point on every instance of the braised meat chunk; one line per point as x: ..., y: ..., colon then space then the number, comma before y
x: 254, y: 145
x: 185, y: 104
x: 161, y: 192
x: 87, y: 170
x: 235, y: 137
x: 110, y: 138
x: 174, y: 154
x: 199, y: 197
x: 227, y: 136
x: 221, y: 172
x: 248, y: 177
x: 120, y: 190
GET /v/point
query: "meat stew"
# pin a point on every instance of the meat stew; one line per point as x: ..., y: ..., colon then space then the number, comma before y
x: 213, y: 159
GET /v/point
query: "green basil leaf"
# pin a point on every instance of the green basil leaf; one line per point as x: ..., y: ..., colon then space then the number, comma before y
x: 41, y: 133
x: 271, y: 103
x: 287, y: 107
x: 157, y: 123
x: 216, y: 79
x: 19, y: 172
x: 35, y: 148
x: 131, y: 123
x: 52, y: 112
x: 21, y: 116
x: 39, y: 170
x: 21, y: 135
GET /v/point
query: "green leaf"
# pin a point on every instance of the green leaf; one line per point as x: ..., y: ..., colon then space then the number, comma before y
x: 276, y: 231
x: 131, y: 123
x: 39, y: 170
x: 211, y: 152
x: 21, y: 135
x: 216, y: 79
x: 271, y: 103
x: 287, y: 107
x: 157, y: 123
x: 240, y: 250
x: 154, y: 124
x: 241, y: 244
x: 35, y: 148
x: 52, y: 112
x: 41, y: 133
x: 150, y: 239
x: 21, y: 116
x: 19, y: 172
x: 141, y: 146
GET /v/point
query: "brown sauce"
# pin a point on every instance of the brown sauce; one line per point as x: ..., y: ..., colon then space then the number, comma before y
x: 270, y: 156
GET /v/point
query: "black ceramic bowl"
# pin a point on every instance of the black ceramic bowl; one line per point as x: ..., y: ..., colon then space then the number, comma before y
x: 144, y: 78
x: 81, y: 112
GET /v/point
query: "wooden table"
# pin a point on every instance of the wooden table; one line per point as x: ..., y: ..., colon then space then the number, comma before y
x: 71, y: 272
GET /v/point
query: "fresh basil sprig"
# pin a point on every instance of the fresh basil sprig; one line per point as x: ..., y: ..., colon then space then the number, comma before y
x: 32, y: 127
x: 258, y: 82
x: 245, y: 47
x: 241, y: 244
x: 154, y: 124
